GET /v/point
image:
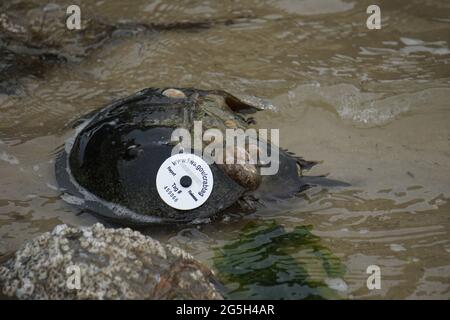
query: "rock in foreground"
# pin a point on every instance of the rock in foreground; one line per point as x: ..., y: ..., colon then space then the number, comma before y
x: 111, y: 263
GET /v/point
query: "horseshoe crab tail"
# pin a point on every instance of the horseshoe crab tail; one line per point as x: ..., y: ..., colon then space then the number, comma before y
x: 320, y: 181
x: 305, y: 164
x: 302, y: 163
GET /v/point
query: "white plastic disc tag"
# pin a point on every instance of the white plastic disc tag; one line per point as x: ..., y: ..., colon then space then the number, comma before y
x: 184, y: 181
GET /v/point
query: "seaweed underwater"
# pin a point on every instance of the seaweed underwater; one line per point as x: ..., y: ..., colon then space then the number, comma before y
x: 269, y: 262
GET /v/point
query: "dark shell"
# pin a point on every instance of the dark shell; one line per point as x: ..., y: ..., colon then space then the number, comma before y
x: 110, y: 167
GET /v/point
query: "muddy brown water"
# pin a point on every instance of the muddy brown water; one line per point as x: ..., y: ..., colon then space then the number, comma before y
x: 373, y: 105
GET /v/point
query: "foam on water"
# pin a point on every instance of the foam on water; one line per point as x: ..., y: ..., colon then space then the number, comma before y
x: 313, y: 7
x: 366, y: 109
x: 417, y: 45
x: 8, y: 158
x: 337, y: 284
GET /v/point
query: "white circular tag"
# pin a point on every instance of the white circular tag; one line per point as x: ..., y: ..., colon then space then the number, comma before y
x: 184, y: 181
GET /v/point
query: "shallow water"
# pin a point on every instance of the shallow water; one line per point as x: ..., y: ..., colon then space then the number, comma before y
x: 373, y: 105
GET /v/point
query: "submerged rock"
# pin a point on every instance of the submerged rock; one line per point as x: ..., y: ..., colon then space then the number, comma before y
x: 111, y: 264
x: 34, y: 38
x: 265, y: 256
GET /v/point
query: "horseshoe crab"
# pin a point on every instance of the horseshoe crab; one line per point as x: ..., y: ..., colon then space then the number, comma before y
x: 111, y: 164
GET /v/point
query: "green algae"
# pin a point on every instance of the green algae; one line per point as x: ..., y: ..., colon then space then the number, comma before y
x: 268, y: 262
